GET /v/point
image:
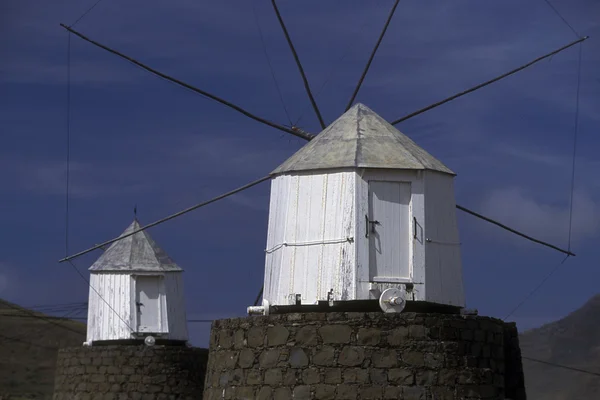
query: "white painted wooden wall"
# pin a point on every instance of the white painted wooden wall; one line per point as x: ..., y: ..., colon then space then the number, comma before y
x: 309, y: 245
x: 317, y: 237
x: 112, y: 309
x: 105, y: 323
x: 442, y: 242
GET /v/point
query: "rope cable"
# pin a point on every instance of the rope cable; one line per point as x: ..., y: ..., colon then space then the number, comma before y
x: 68, y: 123
x: 98, y: 294
x: 563, y: 18
x: 575, y: 144
x: 335, y: 65
x: 264, y: 46
x: 539, y: 285
x: 170, y: 217
x: 86, y: 12
x: 372, y: 56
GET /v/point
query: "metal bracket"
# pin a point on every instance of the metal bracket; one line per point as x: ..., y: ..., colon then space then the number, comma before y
x: 372, y: 223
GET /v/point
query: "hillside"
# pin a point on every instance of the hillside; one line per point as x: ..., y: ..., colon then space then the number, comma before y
x: 28, y: 348
x: 573, y: 341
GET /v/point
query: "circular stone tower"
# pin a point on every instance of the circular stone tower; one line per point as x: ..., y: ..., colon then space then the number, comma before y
x: 363, y: 356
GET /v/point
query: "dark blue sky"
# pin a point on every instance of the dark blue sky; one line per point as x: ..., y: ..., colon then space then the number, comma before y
x: 136, y: 139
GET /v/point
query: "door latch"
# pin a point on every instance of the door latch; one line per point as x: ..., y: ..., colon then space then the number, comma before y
x: 372, y: 223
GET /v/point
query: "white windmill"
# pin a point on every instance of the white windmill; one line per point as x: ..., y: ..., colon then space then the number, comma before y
x: 359, y: 210
x: 136, y: 292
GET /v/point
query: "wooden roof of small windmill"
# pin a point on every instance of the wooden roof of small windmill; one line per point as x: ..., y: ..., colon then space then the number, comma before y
x: 361, y: 139
x: 138, y: 252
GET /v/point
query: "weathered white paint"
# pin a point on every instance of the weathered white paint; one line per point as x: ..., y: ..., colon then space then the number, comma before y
x: 149, y: 303
x: 131, y: 272
x: 109, y: 307
x: 389, y: 231
x: 442, y: 243
x: 361, y: 168
x: 309, y: 244
x: 113, y: 313
x: 317, y: 236
x: 176, y: 318
x: 416, y: 256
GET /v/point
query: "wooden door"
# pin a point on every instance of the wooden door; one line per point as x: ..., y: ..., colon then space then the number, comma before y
x: 148, y: 303
x: 389, y: 231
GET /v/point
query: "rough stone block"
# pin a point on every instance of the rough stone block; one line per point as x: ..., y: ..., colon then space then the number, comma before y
x: 355, y: 375
x: 256, y: 337
x: 401, y: 376
x: 332, y: 375
x: 265, y: 393
x: 385, y: 358
x: 306, y: 336
x: 274, y: 377
x: 311, y: 376
x: 393, y: 392
x: 351, y: 356
x: 298, y: 358
x: 368, y: 336
x: 282, y: 393
x: 239, y: 339
x: 245, y: 393
x: 324, y: 392
x: 378, y: 376
x: 398, y: 336
x: 414, y: 358
x: 425, y: 378
x: 253, y: 377
x: 413, y: 393
x: 335, y: 333
x: 325, y: 356
x: 269, y: 358
x: 301, y: 392
x: 347, y: 392
x: 246, y: 358
x: 371, y: 392
x: 277, y: 335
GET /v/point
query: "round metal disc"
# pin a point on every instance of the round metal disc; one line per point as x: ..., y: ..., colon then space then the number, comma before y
x: 393, y: 300
x: 150, y: 341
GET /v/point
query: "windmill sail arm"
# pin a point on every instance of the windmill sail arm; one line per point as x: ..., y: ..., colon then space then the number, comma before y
x: 168, y: 218
x: 297, y: 59
x: 364, y: 73
x: 481, y: 85
x: 190, y: 87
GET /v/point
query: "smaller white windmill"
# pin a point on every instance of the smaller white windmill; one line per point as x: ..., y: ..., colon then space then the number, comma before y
x: 362, y: 213
x: 136, y: 292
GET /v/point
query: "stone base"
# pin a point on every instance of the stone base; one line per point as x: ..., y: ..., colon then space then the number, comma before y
x: 130, y: 372
x: 362, y: 356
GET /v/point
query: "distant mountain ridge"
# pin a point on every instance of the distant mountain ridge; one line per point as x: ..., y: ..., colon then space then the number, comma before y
x: 573, y: 341
x: 28, y: 348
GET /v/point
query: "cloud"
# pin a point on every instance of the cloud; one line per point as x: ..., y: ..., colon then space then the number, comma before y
x: 228, y: 158
x: 518, y: 209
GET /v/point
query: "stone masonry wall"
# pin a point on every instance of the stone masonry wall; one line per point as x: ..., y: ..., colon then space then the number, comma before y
x: 357, y: 356
x: 514, y: 376
x: 130, y: 372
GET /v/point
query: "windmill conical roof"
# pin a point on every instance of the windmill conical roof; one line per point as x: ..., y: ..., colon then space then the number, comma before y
x: 138, y: 252
x: 360, y: 138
